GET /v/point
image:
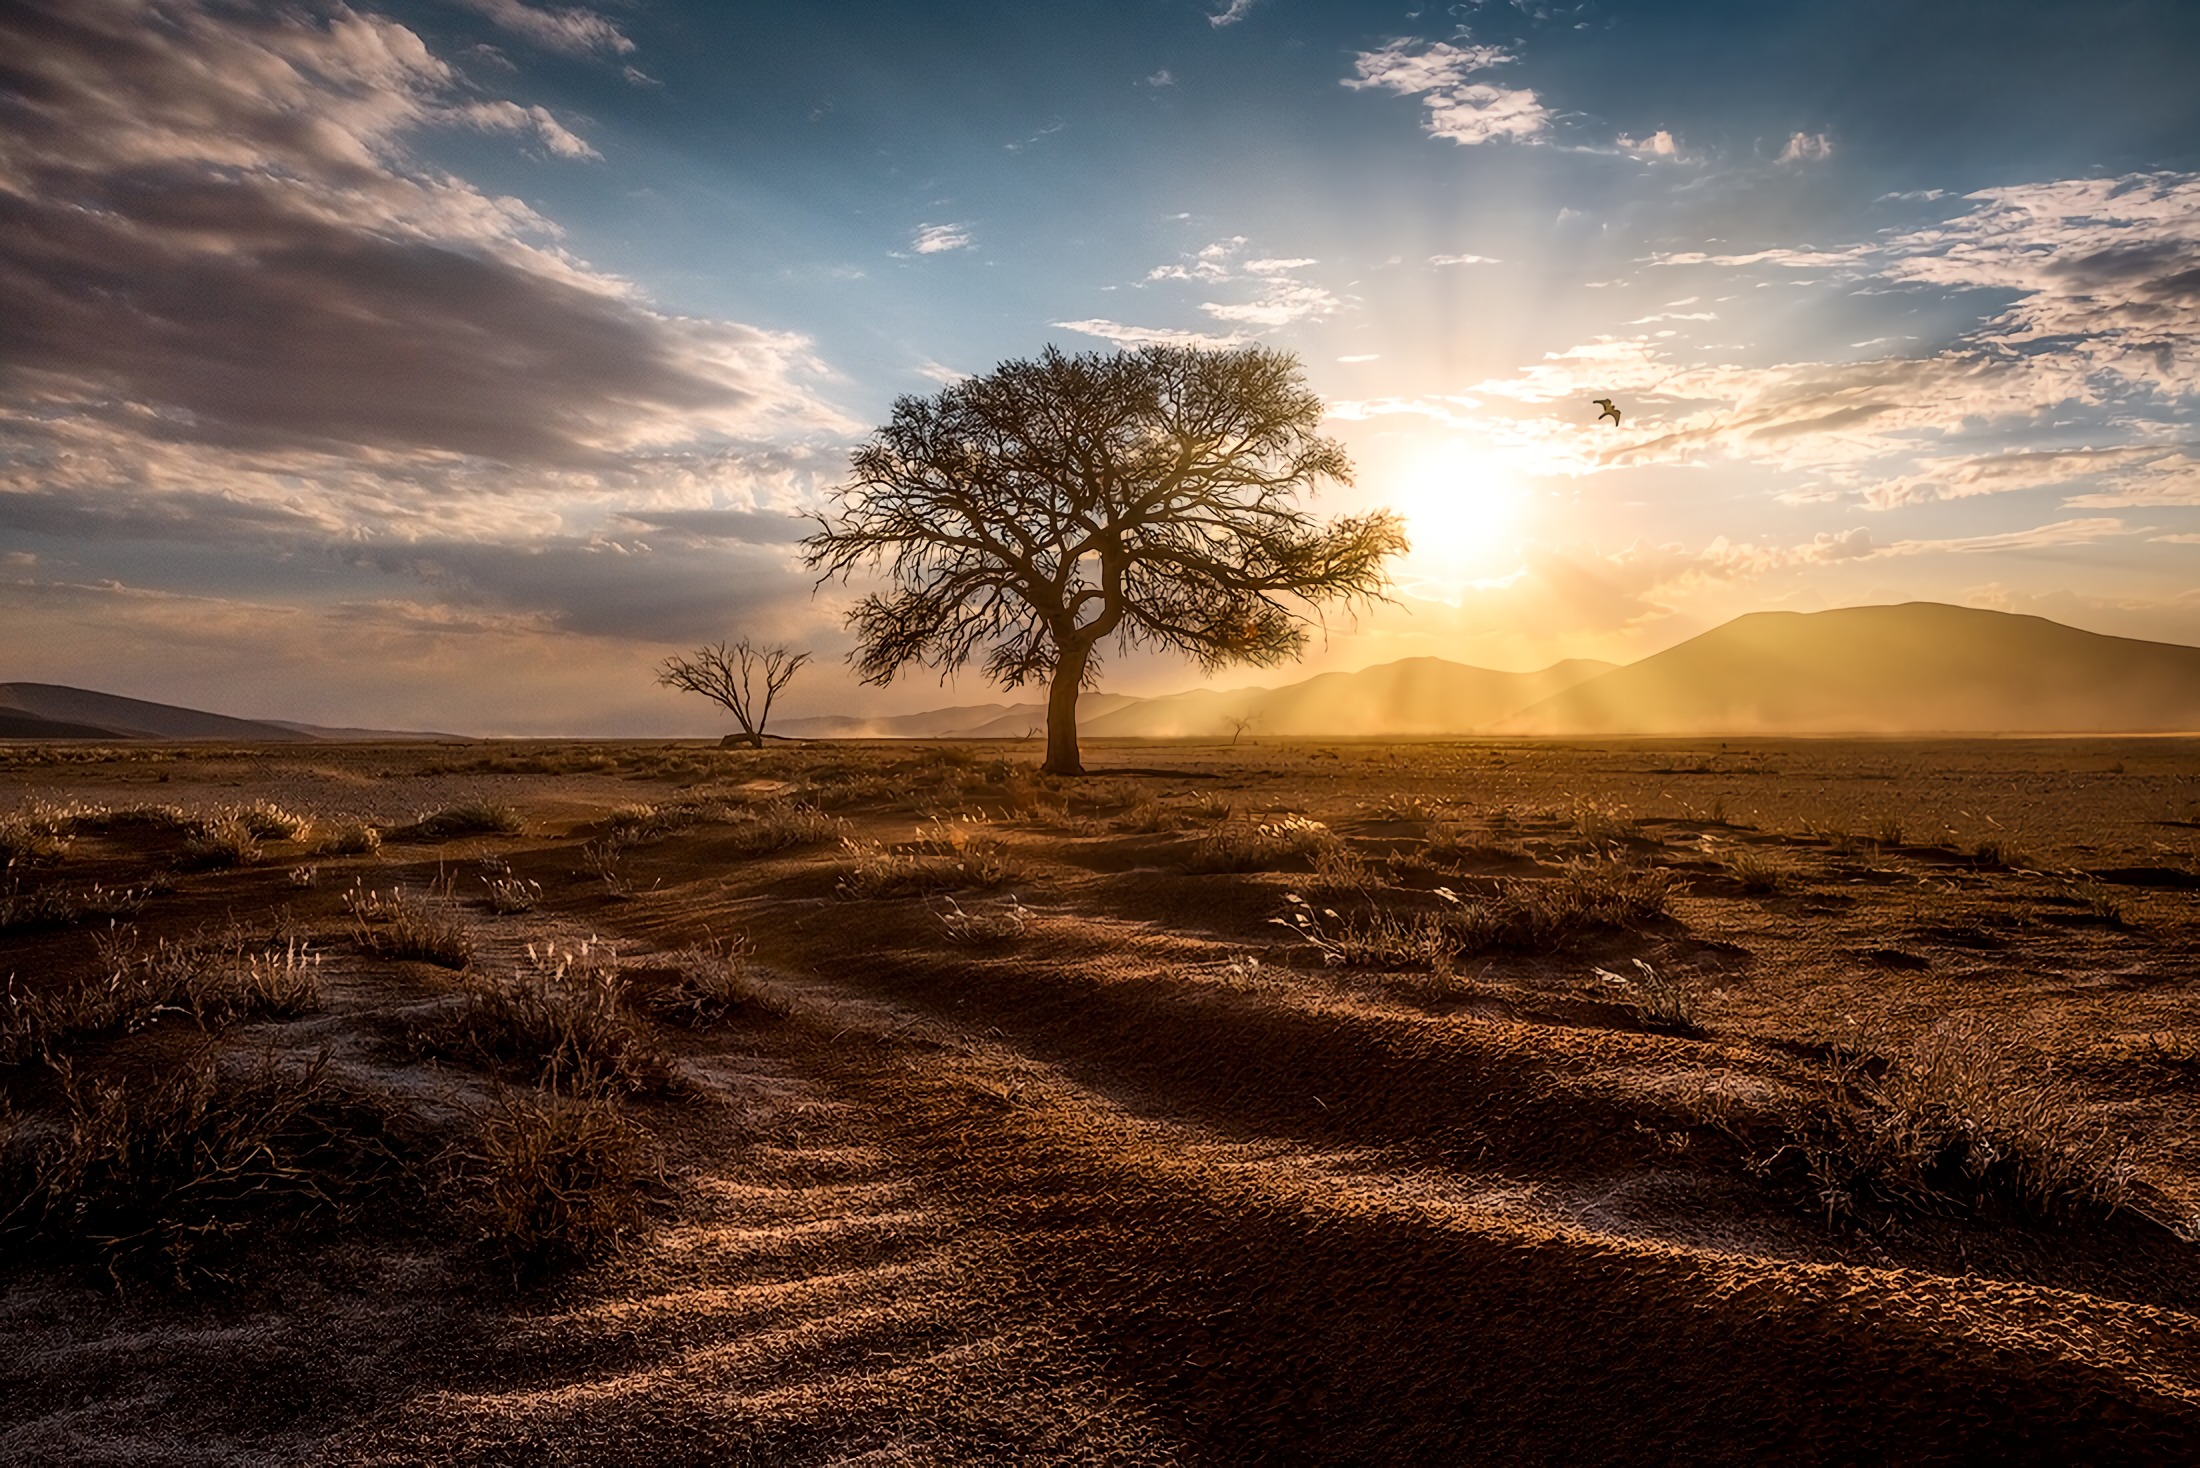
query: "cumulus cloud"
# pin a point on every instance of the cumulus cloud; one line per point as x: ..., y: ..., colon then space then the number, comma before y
x: 1660, y: 144
x: 1466, y: 112
x: 1231, y: 13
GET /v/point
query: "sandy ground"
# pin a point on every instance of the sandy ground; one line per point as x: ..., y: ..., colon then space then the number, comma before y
x: 1138, y: 1177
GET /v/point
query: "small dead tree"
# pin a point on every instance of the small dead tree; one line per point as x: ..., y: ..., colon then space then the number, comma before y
x: 728, y: 674
x: 1150, y: 498
x: 1237, y: 724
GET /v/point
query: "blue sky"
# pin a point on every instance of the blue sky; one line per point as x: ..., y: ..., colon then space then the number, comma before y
x: 446, y: 364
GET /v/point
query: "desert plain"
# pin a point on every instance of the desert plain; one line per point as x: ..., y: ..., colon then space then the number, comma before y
x: 1686, y: 1100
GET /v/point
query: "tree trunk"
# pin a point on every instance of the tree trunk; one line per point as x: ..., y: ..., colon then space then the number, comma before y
x: 1069, y: 676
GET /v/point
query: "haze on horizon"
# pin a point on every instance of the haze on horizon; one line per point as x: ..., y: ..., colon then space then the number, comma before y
x: 445, y: 365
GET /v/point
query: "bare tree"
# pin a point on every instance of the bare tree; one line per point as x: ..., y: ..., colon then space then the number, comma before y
x: 1237, y: 724
x: 1150, y: 496
x: 727, y: 675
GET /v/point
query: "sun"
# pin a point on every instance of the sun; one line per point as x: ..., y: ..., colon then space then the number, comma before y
x: 1465, y: 514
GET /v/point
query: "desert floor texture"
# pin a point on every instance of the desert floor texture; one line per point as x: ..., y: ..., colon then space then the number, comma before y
x: 1454, y: 1101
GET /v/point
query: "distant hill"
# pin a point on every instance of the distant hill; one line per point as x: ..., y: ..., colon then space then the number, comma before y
x: 1917, y: 668
x: 55, y: 711
x: 1415, y: 696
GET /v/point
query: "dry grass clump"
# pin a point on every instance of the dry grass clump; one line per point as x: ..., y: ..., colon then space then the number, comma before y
x: 177, y: 1172
x: 1339, y: 871
x: 270, y: 822
x: 1956, y: 1126
x: 605, y: 859
x: 395, y: 924
x: 1518, y: 917
x: 214, y: 981
x: 349, y: 837
x: 1757, y: 871
x: 714, y: 982
x: 976, y: 927
x: 1601, y: 823
x: 1887, y: 831
x: 564, y: 1019
x: 555, y: 1178
x: 1545, y: 916
x: 781, y: 825
x: 1997, y: 853
x: 1658, y: 1000
x: 947, y: 854
x: 1149, y: 818
x: 35, y: 833
x: 1259, y: 847
x: 227, y: 838
x: 66, y: 907
x: 467, y: 818
x: 1451, y: 843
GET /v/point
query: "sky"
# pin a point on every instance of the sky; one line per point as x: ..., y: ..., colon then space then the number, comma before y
x: 448, y: 363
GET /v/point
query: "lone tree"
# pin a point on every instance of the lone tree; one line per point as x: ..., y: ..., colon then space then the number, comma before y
x: 728, y: 673
x: 1150, y: 496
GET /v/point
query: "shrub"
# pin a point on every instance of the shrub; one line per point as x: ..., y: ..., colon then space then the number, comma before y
x: 396, y: 925
x: 173, y: 1171
x: 1250, y: 847
x: 268, y: 821
x: 1956, y: 1125
x: 555, y: 1179
x: 562, y: 1019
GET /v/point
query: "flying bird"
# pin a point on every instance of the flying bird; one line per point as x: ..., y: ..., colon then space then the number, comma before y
x: 1610, y: 411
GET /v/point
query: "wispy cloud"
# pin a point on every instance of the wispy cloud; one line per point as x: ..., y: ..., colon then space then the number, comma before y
x: 1807, y: 148
x: 1231, y: 13
x: 1466, y: 112
x: 938, y: 239
x: 1149, y: 336
x: 1464, y: 260
x: 572, y: 30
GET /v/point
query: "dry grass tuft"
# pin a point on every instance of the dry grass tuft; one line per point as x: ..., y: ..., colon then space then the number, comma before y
x: 949, y: 853
x: 999, y: 926
x: 227, y: 838
x: 715, y: 982
x: 1658, y: 1000
x: 349, y: 838
x: 180, y: 1171
x: 215, y: 982
x: 563, y: 1020
x: 395, y: 924
x: 1997, y: 853
x: 555, y: 1179
x: 1262, y: 846
x: 781, y: 825
x: 1956, y: 1126
x: 67, y: 907
x: 1757, y: 871
x: 467, y: 818
x: 36, y: 834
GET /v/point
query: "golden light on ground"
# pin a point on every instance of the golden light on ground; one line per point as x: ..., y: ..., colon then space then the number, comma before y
x: 1466, y: 513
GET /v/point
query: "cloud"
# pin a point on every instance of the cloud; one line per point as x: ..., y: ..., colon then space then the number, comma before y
x: 1149, y: 336
x: 511, y: 117
x: 573, y: 31
x: 935, y: 239
x: 1437, y: 72
x: 1807, y: 148
x: 1280, y: 296
x: 238, y: 314
x: 1659, y: 144
x: 1464, y: 260
x: 1231, y: 13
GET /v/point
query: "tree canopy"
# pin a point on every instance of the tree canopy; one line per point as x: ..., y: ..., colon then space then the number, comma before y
x: 1031, y: 514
